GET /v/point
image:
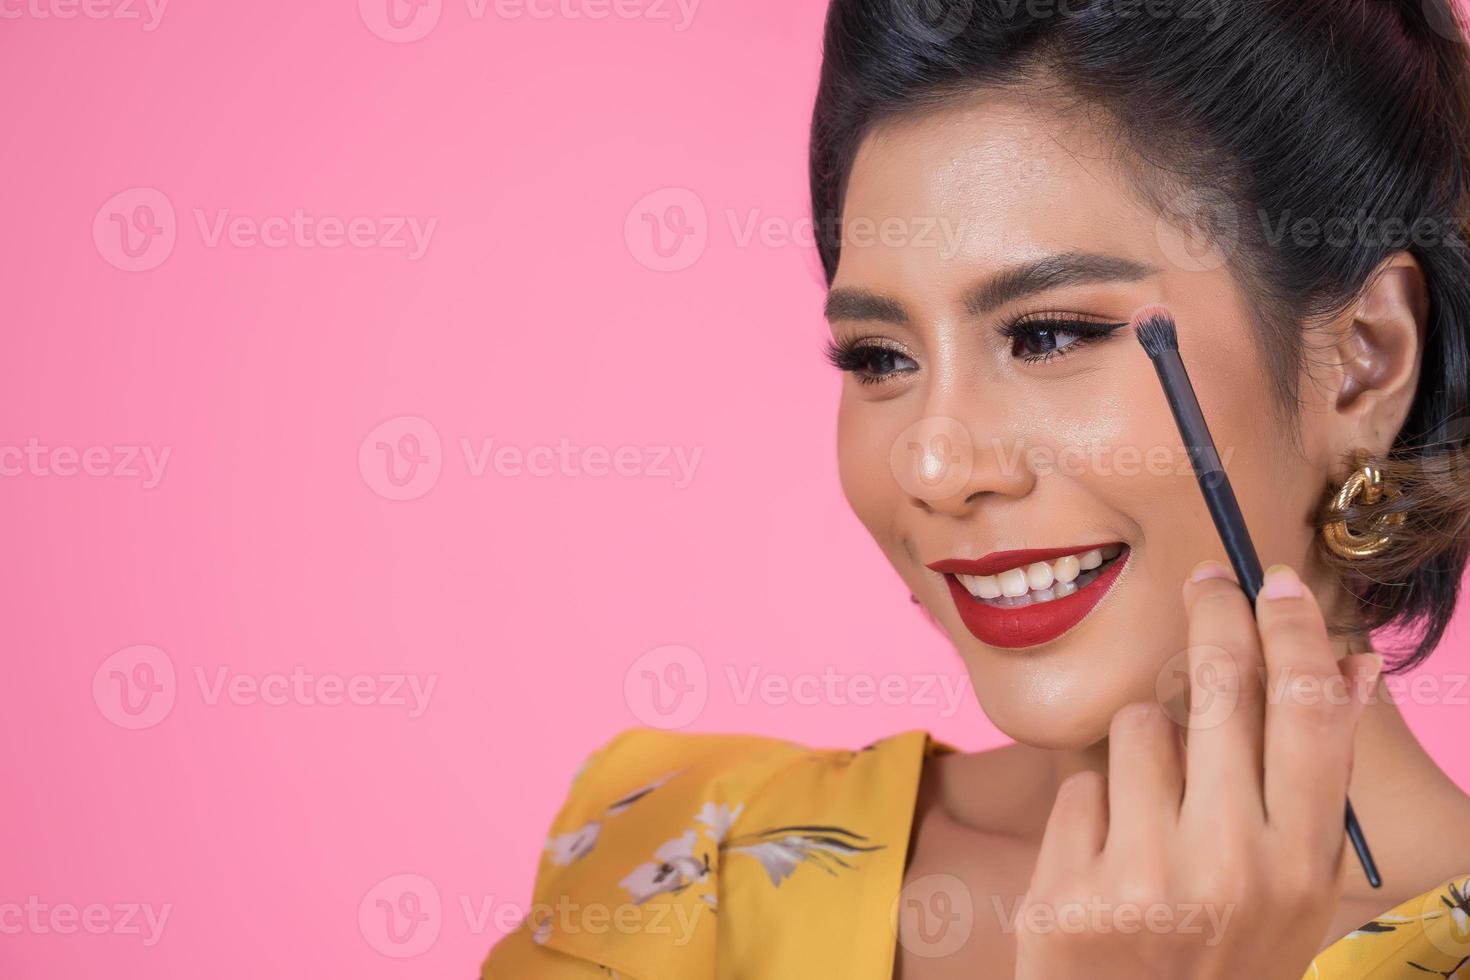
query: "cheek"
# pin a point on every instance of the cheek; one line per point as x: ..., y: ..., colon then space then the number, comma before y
x: 862, y: 444
x: 1114, y: 441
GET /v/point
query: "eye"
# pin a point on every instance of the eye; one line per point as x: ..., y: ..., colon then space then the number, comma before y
x: 1039, y: 338
x: 869, y: 360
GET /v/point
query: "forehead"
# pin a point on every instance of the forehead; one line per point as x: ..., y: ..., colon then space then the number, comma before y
x: 994, y: 177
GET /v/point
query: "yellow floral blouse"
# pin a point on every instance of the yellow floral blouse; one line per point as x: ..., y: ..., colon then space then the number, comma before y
x: 684, y: 856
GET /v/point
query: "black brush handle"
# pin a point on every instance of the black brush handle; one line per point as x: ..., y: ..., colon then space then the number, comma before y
x: 1230, y: 524
x: 1210, y: 472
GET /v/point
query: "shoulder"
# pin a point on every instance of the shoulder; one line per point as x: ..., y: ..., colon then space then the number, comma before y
x: 653, y: 817
x: 636, y: 761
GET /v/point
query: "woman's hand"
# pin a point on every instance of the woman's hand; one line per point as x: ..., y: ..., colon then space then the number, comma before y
x: 1220, y: 860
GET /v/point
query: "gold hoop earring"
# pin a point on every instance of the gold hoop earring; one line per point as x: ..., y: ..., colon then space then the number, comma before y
x: 1366, y: 480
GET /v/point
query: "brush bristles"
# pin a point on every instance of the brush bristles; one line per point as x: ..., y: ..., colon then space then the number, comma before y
x: 1154, y: 327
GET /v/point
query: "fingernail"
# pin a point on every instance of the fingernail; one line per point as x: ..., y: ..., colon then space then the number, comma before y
x: 1208, y: 569
x: 1281, y: 583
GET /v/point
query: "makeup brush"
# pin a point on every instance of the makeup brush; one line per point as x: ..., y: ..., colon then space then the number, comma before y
x: 1156, y: 332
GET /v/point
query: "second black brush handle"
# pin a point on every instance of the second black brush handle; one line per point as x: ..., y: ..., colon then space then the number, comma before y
x: 1210, y: 472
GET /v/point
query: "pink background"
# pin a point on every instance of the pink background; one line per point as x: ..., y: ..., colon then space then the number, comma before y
x: 542, y: 309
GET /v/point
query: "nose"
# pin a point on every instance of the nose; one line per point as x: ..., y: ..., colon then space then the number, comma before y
x: 949, y: 465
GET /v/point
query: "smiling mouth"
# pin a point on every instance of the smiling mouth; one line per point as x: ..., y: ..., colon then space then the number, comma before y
x: 1042, y: 581
x: 1019, y: 599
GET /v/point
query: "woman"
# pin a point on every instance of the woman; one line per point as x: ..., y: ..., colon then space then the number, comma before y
x: 998, y: 189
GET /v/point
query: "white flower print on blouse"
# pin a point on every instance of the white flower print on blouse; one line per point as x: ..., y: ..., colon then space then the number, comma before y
x: 620, y: 805
x: 781, y: 850
x: 718, y: 819
x: 566, y: 848
x: 673, y: 869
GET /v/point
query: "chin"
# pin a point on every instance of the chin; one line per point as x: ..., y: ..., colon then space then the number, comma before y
x: 1045, y: 726
x: 1063, y: 701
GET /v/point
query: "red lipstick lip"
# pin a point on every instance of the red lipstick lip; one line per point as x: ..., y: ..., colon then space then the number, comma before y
x: 1027, y: 626
x: 1000, y: 561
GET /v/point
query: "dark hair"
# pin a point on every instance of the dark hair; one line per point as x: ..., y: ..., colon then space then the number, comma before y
x: 1351, y: 113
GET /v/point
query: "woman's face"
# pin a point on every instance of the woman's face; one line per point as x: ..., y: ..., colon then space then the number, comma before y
x: 975, y: 424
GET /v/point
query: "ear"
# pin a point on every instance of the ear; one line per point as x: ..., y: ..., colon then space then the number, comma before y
x: 1379, y: 350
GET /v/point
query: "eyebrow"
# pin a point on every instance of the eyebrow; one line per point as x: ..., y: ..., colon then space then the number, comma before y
x: 1006, y: 286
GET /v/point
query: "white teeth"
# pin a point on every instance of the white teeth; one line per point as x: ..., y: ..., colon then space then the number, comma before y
x: 1066, y: 569
x: 981, y: 586
x: 1040, y: 581
x: 1039, y: 576
x: 1013, y: 583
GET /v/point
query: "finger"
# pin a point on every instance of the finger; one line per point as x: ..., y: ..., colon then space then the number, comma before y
x: 1223, y: 751
x: 1145, y: 780
x: 1077, y: 827
x: 1311, y: 716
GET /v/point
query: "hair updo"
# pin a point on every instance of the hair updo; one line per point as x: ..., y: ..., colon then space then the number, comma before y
x: 1350, y: 113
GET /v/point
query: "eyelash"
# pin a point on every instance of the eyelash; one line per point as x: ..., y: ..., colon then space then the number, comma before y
x: 855, y: 356
x: 1033, y: 326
